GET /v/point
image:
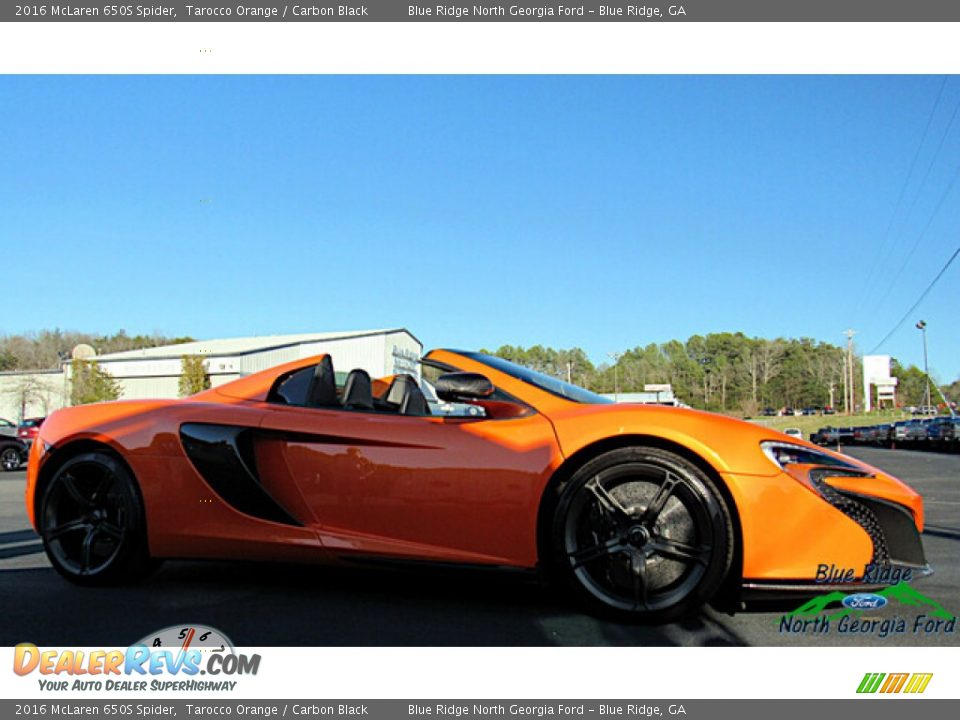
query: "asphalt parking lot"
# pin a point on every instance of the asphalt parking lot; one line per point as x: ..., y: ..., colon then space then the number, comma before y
x: 289, y: 605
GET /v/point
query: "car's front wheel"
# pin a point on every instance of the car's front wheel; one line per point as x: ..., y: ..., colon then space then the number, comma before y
x: 642, y: 534
x: 93, y: 523
x: 11, y: 459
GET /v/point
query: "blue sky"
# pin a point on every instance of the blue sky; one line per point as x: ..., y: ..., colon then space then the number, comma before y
x: 602, y: 212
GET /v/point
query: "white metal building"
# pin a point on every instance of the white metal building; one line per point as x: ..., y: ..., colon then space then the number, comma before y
x: 651, y: 395
x: 155, y: 372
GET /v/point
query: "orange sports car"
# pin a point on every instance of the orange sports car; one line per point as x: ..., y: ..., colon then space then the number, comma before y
x: 643, y: 512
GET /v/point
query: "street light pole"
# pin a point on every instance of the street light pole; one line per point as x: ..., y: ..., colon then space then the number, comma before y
x: 922, y: 327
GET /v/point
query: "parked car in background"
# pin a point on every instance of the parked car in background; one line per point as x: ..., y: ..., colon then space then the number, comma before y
x: 940, y: 432
x: 897, y: 432
x: 13, y: 453
x: 28, y: 429
x: 768, y: 412
x: 809, y: 411
x: 832, y: 436
x: 915, y: 431
x: 829, y: 410
x: 7, y: 428
x: 881, y: 437
x: 793, y: 432
x: 950, y: 435
x: 866, y: 435
x: 788, y: 412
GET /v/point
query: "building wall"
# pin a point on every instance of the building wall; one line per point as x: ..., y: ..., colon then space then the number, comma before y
x: 146, y: 388
x: 401, y: 354
x: 350, y: 353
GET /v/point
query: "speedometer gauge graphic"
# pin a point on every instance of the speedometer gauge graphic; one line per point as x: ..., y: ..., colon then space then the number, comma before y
x: 204, y: 638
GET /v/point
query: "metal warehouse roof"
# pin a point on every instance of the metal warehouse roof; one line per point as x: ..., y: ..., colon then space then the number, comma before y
x: 242, y: 346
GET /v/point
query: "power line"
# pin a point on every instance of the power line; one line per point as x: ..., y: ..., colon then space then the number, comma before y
x: 903, y: 189
x: 933, y: 160
x: 923, y: 233
x: 916, y: 198
x: 917, y: 303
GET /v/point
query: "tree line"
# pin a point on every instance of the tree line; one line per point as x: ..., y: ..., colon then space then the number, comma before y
x: 724, y: 372
x: 48, y: 349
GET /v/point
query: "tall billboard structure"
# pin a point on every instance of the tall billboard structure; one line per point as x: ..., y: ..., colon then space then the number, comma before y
x: 876, y: 373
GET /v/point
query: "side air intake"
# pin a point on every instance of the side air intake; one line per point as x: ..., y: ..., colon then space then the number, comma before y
x: 223, y: 455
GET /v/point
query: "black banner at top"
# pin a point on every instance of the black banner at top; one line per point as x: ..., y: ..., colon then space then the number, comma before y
x: 485, y: 11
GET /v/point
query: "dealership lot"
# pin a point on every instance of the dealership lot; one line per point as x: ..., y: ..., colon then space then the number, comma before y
x: 275, y: 604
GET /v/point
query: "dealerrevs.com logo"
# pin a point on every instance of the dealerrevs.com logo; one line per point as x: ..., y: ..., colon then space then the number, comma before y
x: 170, y: 659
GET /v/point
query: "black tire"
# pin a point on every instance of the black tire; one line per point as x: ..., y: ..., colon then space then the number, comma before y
x: 641, y: 535
x: 11, y: 458
x: 92, y: 522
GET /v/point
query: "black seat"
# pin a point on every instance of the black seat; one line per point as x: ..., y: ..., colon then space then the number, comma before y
x: 405, y: 397
x: 323, y: 387
x: 415, y: 403
x: 357, y: 392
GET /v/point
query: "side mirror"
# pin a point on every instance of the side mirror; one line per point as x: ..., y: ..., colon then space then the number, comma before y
x: 457, y: 386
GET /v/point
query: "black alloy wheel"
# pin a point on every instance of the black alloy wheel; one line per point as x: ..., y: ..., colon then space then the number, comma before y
x: 11, y: 458
x: 642, y: 534
x: 92, y: 522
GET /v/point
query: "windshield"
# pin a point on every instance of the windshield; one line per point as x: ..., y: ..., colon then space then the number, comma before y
x: 537, y: 379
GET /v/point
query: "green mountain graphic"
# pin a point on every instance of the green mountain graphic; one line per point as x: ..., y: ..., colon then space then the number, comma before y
x: 901, y: 592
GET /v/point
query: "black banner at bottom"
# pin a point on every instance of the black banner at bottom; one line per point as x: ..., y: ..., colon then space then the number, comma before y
x: 879, y: 708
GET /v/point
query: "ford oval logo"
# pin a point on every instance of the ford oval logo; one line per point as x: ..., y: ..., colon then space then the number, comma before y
x: 864, y: 601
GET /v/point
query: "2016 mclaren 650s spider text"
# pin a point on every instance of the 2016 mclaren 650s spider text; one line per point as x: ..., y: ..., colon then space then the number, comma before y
x: 642, y: 512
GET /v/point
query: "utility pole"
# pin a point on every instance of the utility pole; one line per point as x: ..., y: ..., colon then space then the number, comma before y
x: 851, y: 403
x: 922, y: 327
x: 64, y: 396
x: 846, y: 392
x: 615, y: 356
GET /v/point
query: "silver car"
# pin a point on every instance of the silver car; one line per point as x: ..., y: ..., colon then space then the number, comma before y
x: 7, y: 428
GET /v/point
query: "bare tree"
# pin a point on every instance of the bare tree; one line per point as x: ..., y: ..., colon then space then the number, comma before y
x: 33, y: 390
x: 769, y: 359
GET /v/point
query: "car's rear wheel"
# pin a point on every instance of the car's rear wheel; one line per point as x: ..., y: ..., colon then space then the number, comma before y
x: 11, y: 459
x: 642, y: 534
x: 93, y: 523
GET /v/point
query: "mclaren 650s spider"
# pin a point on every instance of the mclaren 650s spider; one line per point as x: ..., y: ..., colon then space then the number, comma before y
x: 642, y: 512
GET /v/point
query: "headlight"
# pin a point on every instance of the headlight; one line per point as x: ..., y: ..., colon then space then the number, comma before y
x: 782, y: 454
